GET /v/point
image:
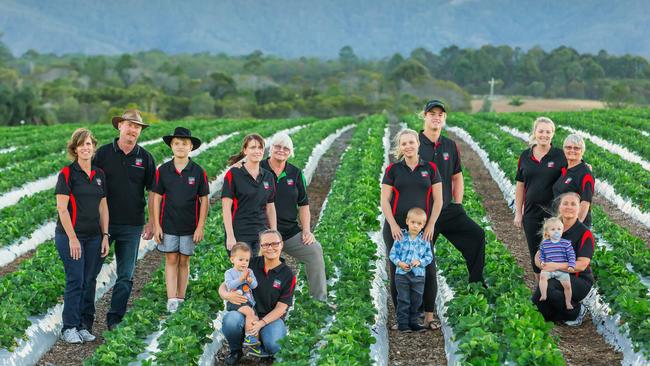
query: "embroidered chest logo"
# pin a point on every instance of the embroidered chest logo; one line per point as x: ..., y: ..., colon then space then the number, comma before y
x: 551, y: 164
x: 99, y: 181
x: 445, y: 156
x: 245, y: 288
x: 277, y: 284
x: 290, y: 182
x: 138, y: 161
x: 568, y: 180
x: 424, y: 174
x: 266, y: 185
x: 191, y: 180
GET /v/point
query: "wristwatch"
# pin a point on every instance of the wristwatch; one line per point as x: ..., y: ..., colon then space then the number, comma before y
x: 107, y: 235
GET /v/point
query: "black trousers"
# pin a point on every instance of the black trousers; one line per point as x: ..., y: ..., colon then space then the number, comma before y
x: 532, y: 229
x: 554, y: 307
x: 466, y: 235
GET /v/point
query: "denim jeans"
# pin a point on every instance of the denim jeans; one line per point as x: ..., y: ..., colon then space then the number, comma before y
x: 127, y: 242
x: 232, y: 328
x: 409, y: 297
x: 80, y: 280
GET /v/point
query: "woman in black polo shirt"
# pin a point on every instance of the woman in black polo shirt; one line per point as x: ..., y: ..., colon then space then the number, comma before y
x: 291, y: 202
x: 411, y: 182
x: 538, y: 169
x: 554, y: 308
x: 273, y: 296
x: 81, y: 235
x: 247, y: 196
x: 576, y: 177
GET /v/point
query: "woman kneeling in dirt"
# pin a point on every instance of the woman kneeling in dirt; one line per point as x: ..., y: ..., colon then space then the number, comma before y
x: 554, y: 307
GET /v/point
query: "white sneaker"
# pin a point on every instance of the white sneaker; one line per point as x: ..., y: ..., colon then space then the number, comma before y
x: 579, y: 319
x: 86, y: 336
x: 172, y: 305
x: 71, y: 335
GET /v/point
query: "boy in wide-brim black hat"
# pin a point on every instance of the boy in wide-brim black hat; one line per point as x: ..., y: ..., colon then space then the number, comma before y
x: 180, y: 210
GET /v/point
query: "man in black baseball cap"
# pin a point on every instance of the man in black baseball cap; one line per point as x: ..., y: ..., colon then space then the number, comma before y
x: 434, y: 103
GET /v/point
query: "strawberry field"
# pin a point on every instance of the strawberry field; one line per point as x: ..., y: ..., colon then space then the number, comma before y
x: 493, y: 326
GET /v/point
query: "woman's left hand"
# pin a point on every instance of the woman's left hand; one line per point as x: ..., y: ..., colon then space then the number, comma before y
x: 105, y: 247
x: 428, y: 232
x: 257, y: 326
x: 308, y: 237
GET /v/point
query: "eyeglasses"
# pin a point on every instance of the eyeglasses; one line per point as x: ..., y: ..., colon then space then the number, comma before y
x: 282, y: 148
x: 273, y: 244
x: 574, y: 148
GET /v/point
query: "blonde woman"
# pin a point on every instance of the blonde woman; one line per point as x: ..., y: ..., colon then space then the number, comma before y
x: 411, y: 182
x: 81, y: 235
x: 538, y: 169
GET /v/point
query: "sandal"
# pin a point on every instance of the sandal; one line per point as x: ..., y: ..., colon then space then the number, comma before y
x: 434, y: 325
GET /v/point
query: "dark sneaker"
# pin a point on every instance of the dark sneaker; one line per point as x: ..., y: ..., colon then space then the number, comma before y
x: 418, y: 328
x: 233, y: 358
x: 251, y: 340
x: 404, y: 328
x: 257, y: 351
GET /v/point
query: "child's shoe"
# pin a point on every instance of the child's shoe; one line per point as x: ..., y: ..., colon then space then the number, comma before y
x: 172, y: 305
x: 251, y: 340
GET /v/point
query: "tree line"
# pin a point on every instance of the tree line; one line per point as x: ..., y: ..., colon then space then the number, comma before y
x: 46, y: 88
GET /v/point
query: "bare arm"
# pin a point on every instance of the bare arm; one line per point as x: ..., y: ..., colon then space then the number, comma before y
x: 103, y: 223
x: 62, y: 208
x: 226, y: 207
x: 584, y: 210
x: 386, y: 194
x: 435, y: 211
x: 157, y: 229
x: 271, y: 216
x: 519, y: 203
x: 457, y: 187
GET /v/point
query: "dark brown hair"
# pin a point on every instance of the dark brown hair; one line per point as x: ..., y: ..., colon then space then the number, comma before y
x: 240, y: 155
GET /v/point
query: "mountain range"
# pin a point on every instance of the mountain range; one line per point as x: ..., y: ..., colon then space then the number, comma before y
x: 295, y: 28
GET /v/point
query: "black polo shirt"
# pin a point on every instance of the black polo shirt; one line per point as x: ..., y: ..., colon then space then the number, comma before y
x: 579, y: 180
x: 250, y: 197
x: 538, y: 178
x: 411, y: 188
x: 179, y: 211
x: 85, y: 194
x: 273, y: 286
x: 127, y: 176
x: 291, y: 192
x: 583, y: 244
x: 444, y: 153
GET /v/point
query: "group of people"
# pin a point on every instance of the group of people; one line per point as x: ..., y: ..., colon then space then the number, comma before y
x: 101, y: 200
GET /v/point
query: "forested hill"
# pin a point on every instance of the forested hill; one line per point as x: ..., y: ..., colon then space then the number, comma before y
x: 294, y: 28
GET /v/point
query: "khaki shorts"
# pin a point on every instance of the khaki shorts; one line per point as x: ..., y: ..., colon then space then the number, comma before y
x: 559, y: 275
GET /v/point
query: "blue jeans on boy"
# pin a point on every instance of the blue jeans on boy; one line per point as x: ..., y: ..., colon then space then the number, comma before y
x: 127, y: 242
x: 409, y: 298
x: 80, y: 280
x: 232, y: 328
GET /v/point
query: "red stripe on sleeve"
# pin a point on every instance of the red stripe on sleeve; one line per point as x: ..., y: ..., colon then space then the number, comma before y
x: 293, y: 285
x: 162, y: 208
x: 587, y: 235
x: 588, y: 179
x: 435, y: 168
x: 157, y: 175
x: 395, y: 199
x: 229, y: 179
x: 73, y: 204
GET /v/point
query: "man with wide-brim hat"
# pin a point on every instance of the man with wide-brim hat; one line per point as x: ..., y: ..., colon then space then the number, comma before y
x: 130, y: 172
x: 183, y: 133
x: 131, y: 115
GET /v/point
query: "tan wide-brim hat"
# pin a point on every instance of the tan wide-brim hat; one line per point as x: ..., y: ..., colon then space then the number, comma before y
x: 131, y: 115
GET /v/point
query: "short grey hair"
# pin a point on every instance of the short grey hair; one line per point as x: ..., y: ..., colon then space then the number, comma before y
x: 282, y: 139
x: 575, y: 140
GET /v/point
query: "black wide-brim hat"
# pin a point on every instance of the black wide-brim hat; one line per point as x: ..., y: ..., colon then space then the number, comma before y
x: 183, y: 133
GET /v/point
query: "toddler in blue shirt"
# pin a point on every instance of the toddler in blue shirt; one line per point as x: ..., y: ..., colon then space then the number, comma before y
x: 411, y: 255
x: 240, y: 278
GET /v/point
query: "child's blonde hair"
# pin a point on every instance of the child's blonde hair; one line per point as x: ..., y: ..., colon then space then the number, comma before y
x: 417, y: 212
x: 547, y: 223
x: 239, y: 247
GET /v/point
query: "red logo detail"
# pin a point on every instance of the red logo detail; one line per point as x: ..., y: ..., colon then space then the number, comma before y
x: 445, y: 156
x: 551, y: 164
x: 138, y: 162
x: 277, y: 284
x: 191, y: 181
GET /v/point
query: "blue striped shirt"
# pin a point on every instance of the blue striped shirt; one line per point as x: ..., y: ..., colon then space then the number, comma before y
x: 407, y: 249
x: 560, y: 252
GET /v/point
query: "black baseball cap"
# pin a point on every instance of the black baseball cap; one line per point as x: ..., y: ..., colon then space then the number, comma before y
x: 434, y: 103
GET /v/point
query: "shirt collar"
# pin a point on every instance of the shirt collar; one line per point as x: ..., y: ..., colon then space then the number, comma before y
x: 172, y: 167
x: 405, y: 234
x: 116, y: 147
x: 424, y: 139
x: 421, y: 162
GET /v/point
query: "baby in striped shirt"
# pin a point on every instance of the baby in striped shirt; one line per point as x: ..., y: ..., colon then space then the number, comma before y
x: 557, y: 250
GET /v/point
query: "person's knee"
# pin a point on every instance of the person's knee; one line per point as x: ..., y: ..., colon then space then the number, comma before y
x: 233, y: 323
x: 184, y: 261
x: 171, y: 259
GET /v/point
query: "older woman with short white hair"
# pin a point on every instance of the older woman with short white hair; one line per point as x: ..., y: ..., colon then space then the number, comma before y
x: 291, y: 203
x: 576, y: 177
